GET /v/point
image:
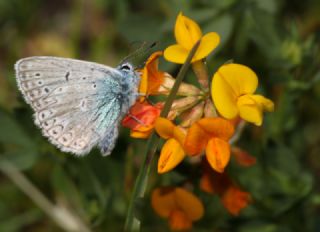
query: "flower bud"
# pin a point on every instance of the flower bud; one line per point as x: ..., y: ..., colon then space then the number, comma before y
x: 194, y: 114
x: 184, y: 89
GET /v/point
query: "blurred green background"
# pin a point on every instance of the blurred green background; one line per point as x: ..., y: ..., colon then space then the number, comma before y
x: 279, y: 39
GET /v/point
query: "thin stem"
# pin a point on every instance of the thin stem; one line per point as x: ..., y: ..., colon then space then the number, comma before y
x: 238, y: 132
x: 60, y: 215
x: 133, y: 223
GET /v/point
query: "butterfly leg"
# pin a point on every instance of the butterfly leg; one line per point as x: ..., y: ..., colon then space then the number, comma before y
x: 136, y: 119
x: 109, y: 141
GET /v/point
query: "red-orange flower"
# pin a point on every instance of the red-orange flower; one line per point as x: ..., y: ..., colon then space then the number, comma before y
x: 211, y: 135
x: 180, y: 206
x: 141, y: 119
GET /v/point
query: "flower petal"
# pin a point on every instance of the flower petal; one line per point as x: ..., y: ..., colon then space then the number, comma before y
x: 208, y: 43
x: 224, y: 97
x: 234, y: 200
x: 218, y: 154
x: 176, y: 54
x: 171, y: 155
x: 179, y: 221
x: 164, y: 128
x: 265, y: 103
x: 163, y: 201
x: 243, y: 158
x: 142, y: 133
x: 240, y: 78
x: 179, y: 134
x: 217, y: 127
x: 250, y: 110
x: 143, y: 86
x: 196, y: 140
x: 155, y: 77
x: 187, y: 32
x: 189, y: 203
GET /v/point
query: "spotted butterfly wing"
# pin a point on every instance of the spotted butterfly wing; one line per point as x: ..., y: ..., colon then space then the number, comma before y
x: 77, y: 104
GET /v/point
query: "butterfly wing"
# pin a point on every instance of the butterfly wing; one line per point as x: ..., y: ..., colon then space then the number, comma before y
x: 75, y: 102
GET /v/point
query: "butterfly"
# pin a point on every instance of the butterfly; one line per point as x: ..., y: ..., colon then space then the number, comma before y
x: 77, y: 104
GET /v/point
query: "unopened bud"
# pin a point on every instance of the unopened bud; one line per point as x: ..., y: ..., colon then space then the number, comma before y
x: 192, y: 115
x: 209, y: 109
x: 184, y: 88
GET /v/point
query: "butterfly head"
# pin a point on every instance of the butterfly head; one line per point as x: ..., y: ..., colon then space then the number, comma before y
x: 126, y: 67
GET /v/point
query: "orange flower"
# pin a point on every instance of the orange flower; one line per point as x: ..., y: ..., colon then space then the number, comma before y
x: 232, y: 197
x: 151, y: 78
x: 141, y: 119
x: 180, y: 206
x: 172, y: 152
x: 234, y: 200
x: 211, y: 135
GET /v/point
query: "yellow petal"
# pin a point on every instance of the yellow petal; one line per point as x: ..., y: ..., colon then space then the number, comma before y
x: 143, y: 86
x: 171, y: 155
x: 223, y: 97
x: 230, y: 82
x: 176, y: 54
x: 187, y: 32
x: 240, y: 78
x: 164, y: 128
x: 266, y: 103
x: 218, y: 154
x: 163, y: 201
x: 250, y: 110
x: 189, y: 203
x: 140, y: 134
x: 208, y: 43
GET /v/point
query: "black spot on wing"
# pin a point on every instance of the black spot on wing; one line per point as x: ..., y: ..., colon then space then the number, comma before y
x: 67, y: 76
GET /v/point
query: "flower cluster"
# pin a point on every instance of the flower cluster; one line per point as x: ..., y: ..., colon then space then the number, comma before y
x: 210, y: 118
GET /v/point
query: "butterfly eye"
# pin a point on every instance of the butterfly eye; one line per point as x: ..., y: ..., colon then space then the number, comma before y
x: 126, y: 67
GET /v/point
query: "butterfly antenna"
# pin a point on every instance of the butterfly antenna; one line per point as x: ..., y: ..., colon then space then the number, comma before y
x: 144, y: 49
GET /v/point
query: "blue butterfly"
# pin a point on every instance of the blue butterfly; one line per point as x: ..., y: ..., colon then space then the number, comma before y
x: 77, y: 104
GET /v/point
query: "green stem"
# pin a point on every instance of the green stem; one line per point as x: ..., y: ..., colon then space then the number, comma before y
x: 132, y: 223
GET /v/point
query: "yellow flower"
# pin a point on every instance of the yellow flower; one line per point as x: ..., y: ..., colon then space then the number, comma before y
x: 181, y: 207
x: 172, y: 152
x: 233, y: 88
x: 187, y: 33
